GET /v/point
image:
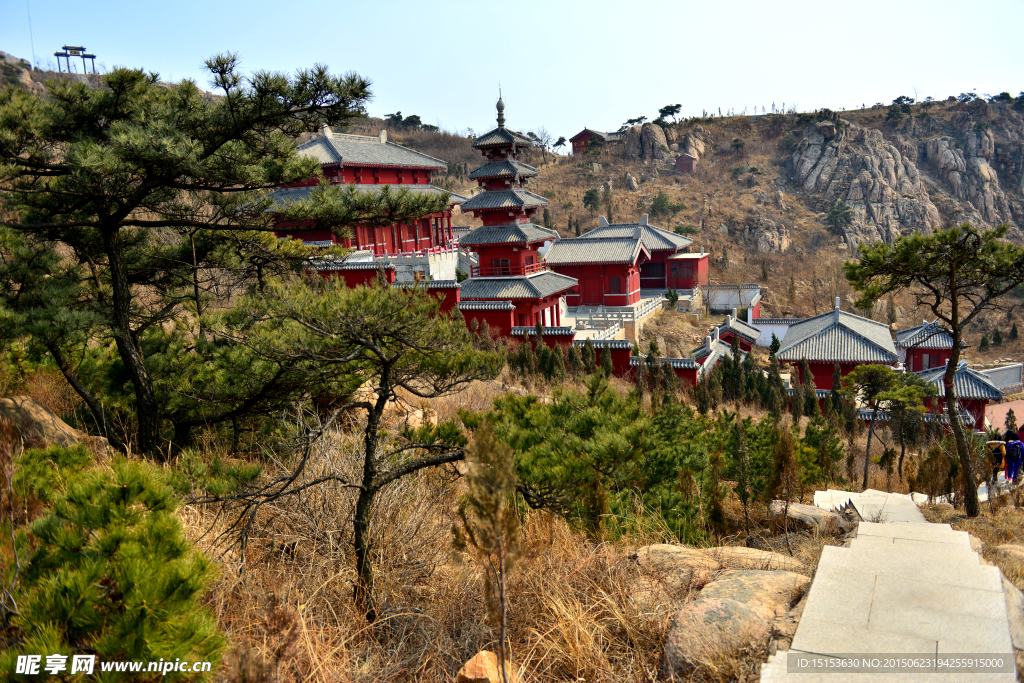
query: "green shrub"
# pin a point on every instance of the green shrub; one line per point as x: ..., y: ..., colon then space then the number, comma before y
x: 787, y: 143
x: 105, y: 568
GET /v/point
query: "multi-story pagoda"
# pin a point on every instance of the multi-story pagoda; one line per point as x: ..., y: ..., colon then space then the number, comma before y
x: 510, y: 267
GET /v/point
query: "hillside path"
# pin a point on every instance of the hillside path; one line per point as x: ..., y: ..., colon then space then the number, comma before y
x: 904, y: 588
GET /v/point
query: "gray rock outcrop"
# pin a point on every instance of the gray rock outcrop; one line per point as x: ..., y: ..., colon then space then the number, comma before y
x: 881, y: 185
x: 969, y: 174
x: 631, y: 184
x: 770, y: 237
x: 631, y: 142
x: 732, y: 613
x: 653, y: 142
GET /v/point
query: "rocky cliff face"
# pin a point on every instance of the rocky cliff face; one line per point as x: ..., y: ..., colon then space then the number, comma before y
x: 918, y: 176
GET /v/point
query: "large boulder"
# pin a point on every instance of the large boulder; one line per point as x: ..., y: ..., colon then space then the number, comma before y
x: 678, y: 564
x: 733, y: 613
x: 632, y: 143
x: 738, y: 557
x: 770, y: 237
x: 631, y: 183
x: 812, y: 517
x: 40, y: 426
x: 653, y: 142
x: 484, y: 668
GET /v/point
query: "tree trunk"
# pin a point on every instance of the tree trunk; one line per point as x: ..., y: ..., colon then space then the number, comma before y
x: 95, y: 407
x: 146, y: 407
x: 364, y: 593
x: 971, y: 504
x: 361, y: 542
x: 867, y: 453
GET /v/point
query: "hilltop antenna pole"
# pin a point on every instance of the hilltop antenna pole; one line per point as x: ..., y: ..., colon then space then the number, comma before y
x: 31, y: 40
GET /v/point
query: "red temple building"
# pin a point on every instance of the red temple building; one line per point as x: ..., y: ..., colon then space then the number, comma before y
x: 368, y: 163
x: 924, y: 347
x: 660, y: 244
x: 510, y: 267
x: 607, y: 268
x: 974, y: 391
x: 836, y: 337
x: 687, y: 271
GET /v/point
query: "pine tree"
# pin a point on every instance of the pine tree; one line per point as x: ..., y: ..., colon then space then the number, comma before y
x: 997, y: 338
x: 109, y: 570
x: 797, y: 401
x: 1014, y: 334
x: 139, y: 190
x: 489, y: 526
x: 1011, y: 421
x: 606, y: 361
x: 774, y: 347
x: 890, y: 310
x: 741, y: 458
x: 983, y: 346
x: 589, y: 357
x: 574, y: 361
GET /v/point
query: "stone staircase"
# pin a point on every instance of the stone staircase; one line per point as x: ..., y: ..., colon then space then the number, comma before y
x: 903, y: 588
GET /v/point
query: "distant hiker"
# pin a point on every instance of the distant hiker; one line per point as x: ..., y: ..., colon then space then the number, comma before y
x: 997, y: 454
x: 1014, y: 455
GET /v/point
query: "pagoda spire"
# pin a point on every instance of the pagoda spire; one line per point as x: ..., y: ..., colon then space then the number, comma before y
x: 501, y: 109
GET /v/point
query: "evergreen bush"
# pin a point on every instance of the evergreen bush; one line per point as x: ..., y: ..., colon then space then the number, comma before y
x: 106, y: 568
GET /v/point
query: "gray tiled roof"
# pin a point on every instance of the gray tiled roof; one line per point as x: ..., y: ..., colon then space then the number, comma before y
x: 524, y: 330
x: 429, y: 284
x: 748, y: 331
x: 575, y: 250
x: 717, y: 346
x: 967, y: 382
x: 927, y: 336
x: 653, y: 239
x: 326, y: 265
x: 605, y: 343
x: 675, y: 363
x: 506, y: 168
x: 502, y: 136
x: 749, y: 285
x: 506, y: 234
x: 360, y: 150
x: 535, y: 286
x: 486, y: 306
x: 287, y: 195
x: 838, y: 337
x: 777, y: 321
x: 504, y: 199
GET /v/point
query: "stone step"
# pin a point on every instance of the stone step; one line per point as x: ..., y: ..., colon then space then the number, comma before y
x: 880, y: 563
x: 920, y: 549
x: 934, y: 533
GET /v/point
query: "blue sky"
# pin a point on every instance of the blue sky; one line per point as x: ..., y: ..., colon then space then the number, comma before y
x: 561, y: 65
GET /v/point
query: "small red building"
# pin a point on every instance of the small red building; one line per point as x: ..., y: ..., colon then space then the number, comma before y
x: 369, y: 163
x: 924, y: 347
x: 620, y: 349
x: 660, y: 244
x: 510, y: 267
x: 747, y: 334
x: 687, y: 271
x: 686, y: 369
x: 587, y: 138
x: 356, y: 273
x: 499, y: 315
x: 836, y: 337
x: 973, y: 390
x: 686, y: 163
x: 552, y: 336
x: 445, y: 291
x: 607, y: 269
